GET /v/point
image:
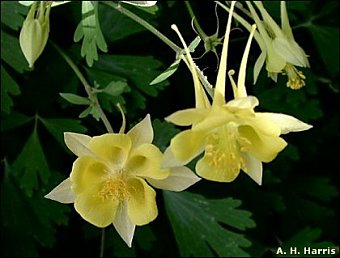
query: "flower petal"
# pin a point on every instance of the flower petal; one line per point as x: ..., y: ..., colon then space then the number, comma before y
x: 249, y: 102
x: 87, y: 173
x: 263, y: 147
x: 290, y: 51
x: 78, y: 143
x: 286, y: 123
x: 275, y: 62
x: 264, y: 125
x: 123, y: 224
x: 169, y: 160
x: 180, y: 178
x: 187, y: 116
x: 62, y: 192
x: 94, y: 209
x: 253, y: 168
x: 258, y: 65
x: 187, y: 145
x: 113, y: 148
x: 142, y: 207
x: 206, y: 170
x: 145, y: 161
x: 141, y: 133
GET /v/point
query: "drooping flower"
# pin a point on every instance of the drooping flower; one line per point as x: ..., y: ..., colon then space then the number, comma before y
x: 232, y: 135
x: 279, y: 49
x: 34, y: 32
x: 110, y: 180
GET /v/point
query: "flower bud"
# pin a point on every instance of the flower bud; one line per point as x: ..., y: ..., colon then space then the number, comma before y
x: 34, y: 32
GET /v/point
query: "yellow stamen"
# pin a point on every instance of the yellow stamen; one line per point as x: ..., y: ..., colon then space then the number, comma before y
x: 224, y: 149
x: 295, y: 77
x: 114, y: 189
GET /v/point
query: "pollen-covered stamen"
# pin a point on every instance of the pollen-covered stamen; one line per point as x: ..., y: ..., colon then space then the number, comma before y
x: 295, y: 77
x: 113, y: 188
x: 224, y: 149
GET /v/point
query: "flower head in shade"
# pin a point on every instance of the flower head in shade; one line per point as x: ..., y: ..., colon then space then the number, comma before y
x: 231, y: 134
x: 110, y: 180
x: 279, y: 49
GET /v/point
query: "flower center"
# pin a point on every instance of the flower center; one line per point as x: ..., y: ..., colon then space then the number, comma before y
x: 114, y: 189
x: 295, y: 77
x: 224, y: 149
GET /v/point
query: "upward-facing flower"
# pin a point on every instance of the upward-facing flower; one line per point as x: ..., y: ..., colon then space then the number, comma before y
x: 280, y: 51
x: 232, y: 135
x: 110, y: 180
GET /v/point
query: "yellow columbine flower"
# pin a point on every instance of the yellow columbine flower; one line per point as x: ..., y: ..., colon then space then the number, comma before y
x: 109, y: 182
x: 34, y: 32
x: 232, y: 135
x: 279, y: 48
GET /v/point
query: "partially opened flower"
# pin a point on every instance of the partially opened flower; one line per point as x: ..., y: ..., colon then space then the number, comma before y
x: 280, y: 51
x: 232, y: 135
x: 110, y: 180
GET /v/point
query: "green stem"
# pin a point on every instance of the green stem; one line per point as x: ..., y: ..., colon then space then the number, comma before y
x: 196, y: 23
x: 102, y: 243
x: 145, y: 24
x: 93, y: 97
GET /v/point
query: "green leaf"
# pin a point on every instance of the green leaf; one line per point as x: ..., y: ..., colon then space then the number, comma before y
x: 28, y: 221
x: 327, y: 42
x: 115, y: 88
x: 11, y: 52
x: 14, y: 120
x: 140, y: 70
x: 167, y: 73
x: 75, y: 99
x: 8, y: 87
x: 117, y: 26
x: 199, y: 225
x: 163, y: 132
x: 108, y: 102
x: 89, y: 30
x: 57, y: 127
x: 31, y: 165
x: 12, y: 14
x: 86, y: 112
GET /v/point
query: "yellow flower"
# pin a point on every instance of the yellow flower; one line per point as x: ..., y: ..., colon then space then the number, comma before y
x: 279, y: 48
x: 34, y: 32
x: 232, y: 135
x: 110, y: 180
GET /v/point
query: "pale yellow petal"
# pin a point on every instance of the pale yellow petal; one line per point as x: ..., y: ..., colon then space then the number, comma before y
x: 97, y: 211
x: 87, y: 173
x: 169, y: 160
x: 141, y: 133
x: 258, y: 65
x: 187, y: 117
x: 187, y: 145
x: 263, y: 147
x: 263, y: 124
x: 179, y: 179
x: 290, y: 51
x: 145, y: 161
x: 142, y: 207
x: 286, y: 123
x: 275, y: 62
x: 123, y: 224
x: 78, y: 143
x: 113, y: 148
x: 205, y: 169
x: 253, y: 168
x: 249, y: 102
x: 62, y: 192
